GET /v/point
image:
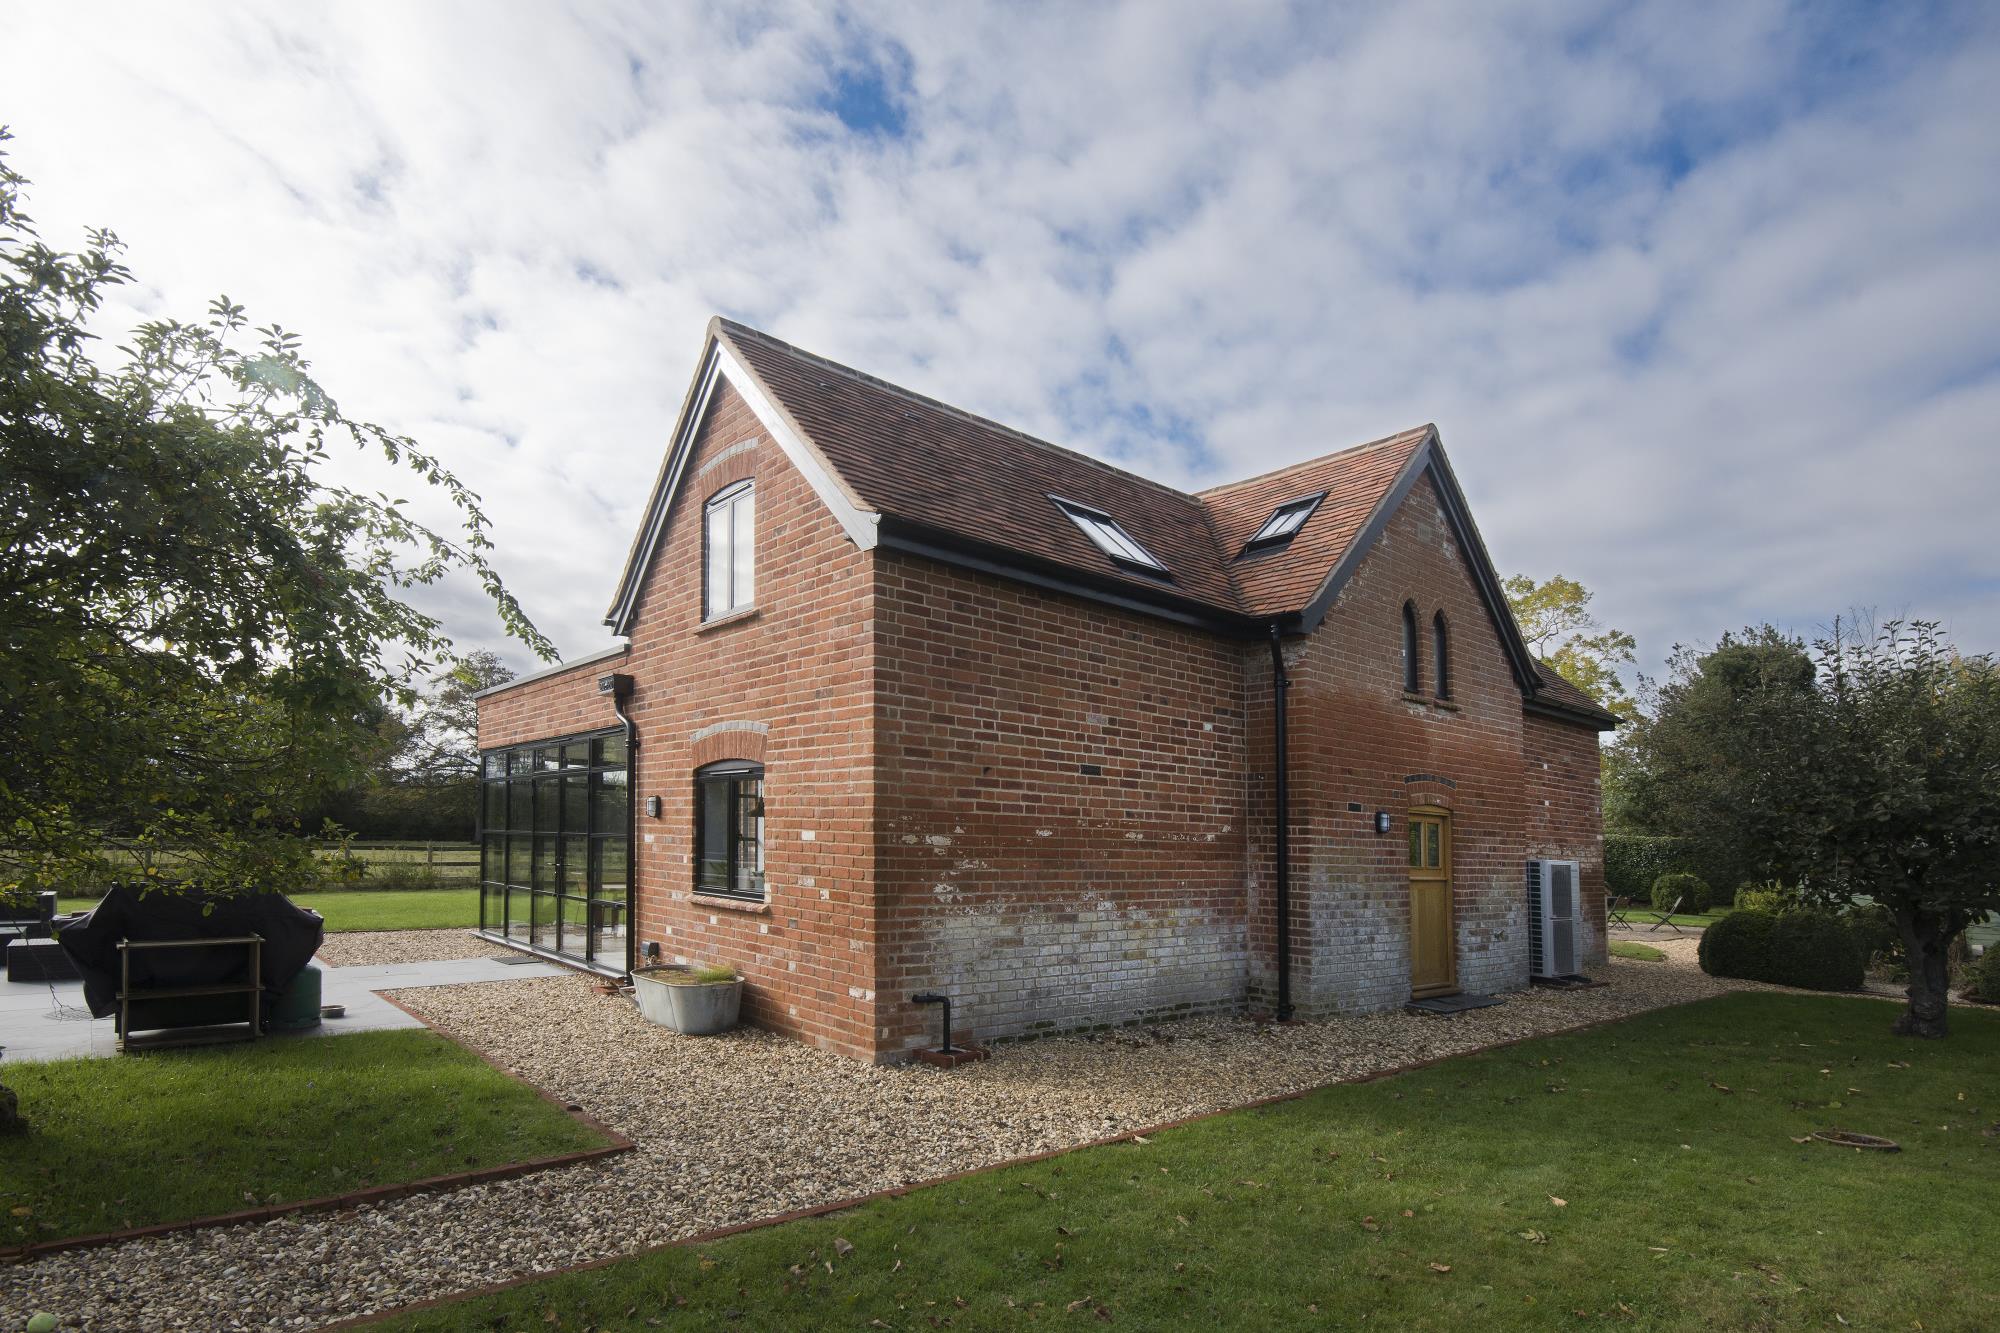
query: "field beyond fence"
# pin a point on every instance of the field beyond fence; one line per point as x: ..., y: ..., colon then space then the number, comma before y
x: 385, y: 866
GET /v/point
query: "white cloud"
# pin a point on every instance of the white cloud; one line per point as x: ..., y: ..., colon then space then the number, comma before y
x: 1701, y: 298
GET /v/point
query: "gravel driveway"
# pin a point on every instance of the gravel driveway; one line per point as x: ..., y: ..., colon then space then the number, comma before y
x: 740, y: 1127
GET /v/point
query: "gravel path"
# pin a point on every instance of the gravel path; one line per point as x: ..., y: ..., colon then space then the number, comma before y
x: 740, y: 1127
x: 373, y: 948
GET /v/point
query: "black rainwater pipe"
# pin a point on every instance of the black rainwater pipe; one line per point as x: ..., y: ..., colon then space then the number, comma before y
x: 932, y: 997
x: 1280, y: 685
x: 619, y: 687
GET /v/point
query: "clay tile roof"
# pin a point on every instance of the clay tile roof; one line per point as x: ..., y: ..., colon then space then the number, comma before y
x: 1353, y: 480
x: 1559, y: 692
x: 936, y: 466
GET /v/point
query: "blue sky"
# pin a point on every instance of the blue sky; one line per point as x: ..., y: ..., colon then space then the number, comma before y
x: 1701, y: 296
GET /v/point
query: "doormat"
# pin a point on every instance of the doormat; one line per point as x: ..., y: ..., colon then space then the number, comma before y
x: 1446, y: 1005
x: 1574, y: 981
x: 512, y: 959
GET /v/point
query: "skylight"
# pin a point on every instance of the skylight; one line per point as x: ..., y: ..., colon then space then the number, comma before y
x: 1108, y: 537
x: 1284, y: 523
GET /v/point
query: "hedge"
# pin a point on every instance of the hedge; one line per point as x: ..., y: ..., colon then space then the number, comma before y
x: 1986, y: 975
x: 1807, y: 949
x: 1632, y: 862
x: 1678, y: 891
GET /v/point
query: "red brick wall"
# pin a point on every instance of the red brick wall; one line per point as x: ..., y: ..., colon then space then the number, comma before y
x: 1565, y: 814
x: 1039, y: 895
x: 1356, y: 738
x: 791, y: 685
x: 930, y: 819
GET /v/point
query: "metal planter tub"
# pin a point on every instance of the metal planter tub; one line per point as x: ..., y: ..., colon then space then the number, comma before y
x: 694, y: 1008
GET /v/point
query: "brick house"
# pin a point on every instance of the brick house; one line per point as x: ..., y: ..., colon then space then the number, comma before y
x: 911, y: 701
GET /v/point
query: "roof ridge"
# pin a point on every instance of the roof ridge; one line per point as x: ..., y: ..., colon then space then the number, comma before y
x: 1315, y: 461
x: 875, y: 381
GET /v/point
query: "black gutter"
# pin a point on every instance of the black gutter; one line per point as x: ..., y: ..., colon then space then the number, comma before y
x: 1280, y: 685
x: 621, y: 694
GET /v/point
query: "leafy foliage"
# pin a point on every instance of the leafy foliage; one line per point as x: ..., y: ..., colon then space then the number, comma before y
x: 1867, y: 769
x: 1680, y: 891
x: 1632, y: 862
x: 1556, y: 621
x: 203, y: 628
x: 1769, y: 897
x: 1739, y: 945
x: 1986, y: 975
x: 1815, y: 950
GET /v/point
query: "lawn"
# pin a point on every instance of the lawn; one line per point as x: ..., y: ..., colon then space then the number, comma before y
x: 1645, y: 1174
x: 404, y: 909
x: 170, y: 1135
x: 1644, y: 918
x: 1644, y: 953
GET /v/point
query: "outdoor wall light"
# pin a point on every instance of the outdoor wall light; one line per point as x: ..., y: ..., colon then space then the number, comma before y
x: 653, y: 807
x: 1381, y: 821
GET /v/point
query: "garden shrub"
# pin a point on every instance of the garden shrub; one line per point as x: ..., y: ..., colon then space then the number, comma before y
x: 1739, y: 945
x: 1875, y: 932
x: 1986, y: 975
x: 1679, y: 886
x: 1769, y: 897
x: 1815, y: 951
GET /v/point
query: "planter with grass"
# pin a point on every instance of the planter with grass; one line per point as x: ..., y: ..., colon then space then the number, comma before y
x: 694, y: 1001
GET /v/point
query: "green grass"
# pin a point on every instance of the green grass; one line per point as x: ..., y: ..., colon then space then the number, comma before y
x: 1669, y: 1139
x: 180, y: 1134
x: 1644, y: 953
x: 1644, y: 918
x: 409, y: 909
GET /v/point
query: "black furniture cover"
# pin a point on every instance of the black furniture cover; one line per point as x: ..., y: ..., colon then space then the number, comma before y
x: 291, y: 936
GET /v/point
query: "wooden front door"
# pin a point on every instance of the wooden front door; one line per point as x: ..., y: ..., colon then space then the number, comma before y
x: 1433, y: 959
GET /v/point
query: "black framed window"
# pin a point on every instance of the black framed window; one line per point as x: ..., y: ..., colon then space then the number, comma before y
x: 729, y: 551
x: 554, y: 827
x: 1283, y: 524
x: 729, y: 830
x: 1440, y: 657
x: 1412, y: 677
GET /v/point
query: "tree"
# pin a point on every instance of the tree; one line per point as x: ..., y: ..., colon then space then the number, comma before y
x: 1896, y: 794
x: 440, y: 741
x: 1556, y: 621
x: 202, y: 627
x: 1696, y: 769
x: 1865, y: 768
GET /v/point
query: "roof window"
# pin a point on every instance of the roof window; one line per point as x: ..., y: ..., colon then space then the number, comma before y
x: 1283, y: 524
x: 1108, y: 537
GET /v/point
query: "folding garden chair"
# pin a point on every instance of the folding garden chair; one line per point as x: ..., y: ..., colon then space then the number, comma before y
x: 1616, y: 916
x: 1666, y: 918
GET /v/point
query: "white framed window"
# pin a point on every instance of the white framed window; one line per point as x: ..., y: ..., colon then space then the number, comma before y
x: 1108, y: 537
x: 729, y: 551
x: 1283, y: 524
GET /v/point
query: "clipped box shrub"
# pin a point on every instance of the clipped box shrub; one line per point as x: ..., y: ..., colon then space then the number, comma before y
x: 1690, y: 891
x: 1739, y: 945
x: 1986, y: 975
x: 1816, y: 951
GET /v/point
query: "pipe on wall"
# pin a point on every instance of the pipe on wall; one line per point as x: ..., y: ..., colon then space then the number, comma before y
x: 1280, y: 685
x: 621, y: 695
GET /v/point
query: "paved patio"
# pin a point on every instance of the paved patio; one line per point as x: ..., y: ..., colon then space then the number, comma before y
x: 34, y: 1021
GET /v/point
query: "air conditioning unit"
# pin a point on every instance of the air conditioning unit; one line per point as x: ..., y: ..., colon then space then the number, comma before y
x: 1553, y: 912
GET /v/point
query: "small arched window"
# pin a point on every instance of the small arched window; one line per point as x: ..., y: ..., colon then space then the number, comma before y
x: 1441, y: 656
x: 1412, y: 677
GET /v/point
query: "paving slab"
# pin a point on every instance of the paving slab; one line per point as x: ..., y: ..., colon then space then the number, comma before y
x: 47, y: 1020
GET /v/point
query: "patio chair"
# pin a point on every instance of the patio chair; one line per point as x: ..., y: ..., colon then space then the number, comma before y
x: 1616, y: 915
x: 1666, y: 918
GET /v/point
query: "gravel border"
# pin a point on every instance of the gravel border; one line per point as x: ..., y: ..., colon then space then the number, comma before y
x: 377, y: 948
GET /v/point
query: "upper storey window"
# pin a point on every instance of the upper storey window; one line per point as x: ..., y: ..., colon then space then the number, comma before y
x: 1108, y: 537
x: 1412, y: 674
x: 1283, y: 524
x: 729, y: 549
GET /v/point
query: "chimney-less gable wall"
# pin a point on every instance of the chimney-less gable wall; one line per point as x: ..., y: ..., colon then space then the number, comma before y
x: 1357, y: 738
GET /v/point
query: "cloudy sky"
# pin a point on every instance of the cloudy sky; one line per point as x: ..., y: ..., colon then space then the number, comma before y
x: 1705, y: 299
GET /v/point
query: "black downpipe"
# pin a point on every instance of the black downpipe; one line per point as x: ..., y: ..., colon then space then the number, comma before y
x: 932, y: 997
x: 1280, y: 685
x: 621, y: 694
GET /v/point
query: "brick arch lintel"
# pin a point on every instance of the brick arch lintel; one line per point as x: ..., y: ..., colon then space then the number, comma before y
x: 728, y: 740
x: 1430, y: 789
